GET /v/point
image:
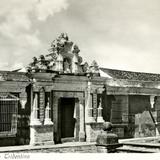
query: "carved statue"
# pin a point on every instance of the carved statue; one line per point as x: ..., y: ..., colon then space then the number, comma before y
x: 61, y: 41
x: 76, y: 49
x: 42, y: 64
x: 32, y: 67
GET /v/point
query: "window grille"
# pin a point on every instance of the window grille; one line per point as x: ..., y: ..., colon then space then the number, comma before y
x: 8, y: 113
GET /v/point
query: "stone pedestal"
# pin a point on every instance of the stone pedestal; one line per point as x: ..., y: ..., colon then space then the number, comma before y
x: 107, y: 141
x: 41, y: 134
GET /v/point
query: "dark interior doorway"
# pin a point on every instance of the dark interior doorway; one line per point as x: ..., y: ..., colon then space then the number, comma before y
x: 67, y: 121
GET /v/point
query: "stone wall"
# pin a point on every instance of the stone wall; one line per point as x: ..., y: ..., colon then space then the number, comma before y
x: 141, y: 123
x: 92, y: 131
x: 22, y: 136
x: 115, y: 110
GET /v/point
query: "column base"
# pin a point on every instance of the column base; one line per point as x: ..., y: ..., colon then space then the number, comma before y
x: 35, y: 122
x: 48, y: 122
x: 90, y: 120
x: 100, y: 119
x: 81, y: 136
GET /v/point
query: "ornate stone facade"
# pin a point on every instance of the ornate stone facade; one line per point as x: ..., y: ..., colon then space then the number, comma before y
x: 64, y: 99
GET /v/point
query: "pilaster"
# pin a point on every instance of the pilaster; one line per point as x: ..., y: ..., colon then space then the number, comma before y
x: 41, y: 104
x: 82, y: 127
x: 89, y: 108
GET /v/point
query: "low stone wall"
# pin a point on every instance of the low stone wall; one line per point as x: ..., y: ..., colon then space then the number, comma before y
x: 72, y: 149
x: 62, y: 148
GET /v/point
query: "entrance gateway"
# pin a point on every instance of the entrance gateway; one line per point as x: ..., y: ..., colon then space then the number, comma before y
x: 67, y: 118
x: 65, y: 114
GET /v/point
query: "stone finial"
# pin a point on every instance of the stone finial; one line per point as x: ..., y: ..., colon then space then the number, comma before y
x: 107, y: 126
x: 42, y: 63
x: 106, y: 140
x: 86, y: 67
x: 60, y: 58
x: 100, y: 117
x: 94, y: 64
x: 32, y: 67
x: 94, y: 67
x: 66, y: 65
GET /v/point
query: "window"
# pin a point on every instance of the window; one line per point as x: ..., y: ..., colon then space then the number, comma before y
x: 8, y: 114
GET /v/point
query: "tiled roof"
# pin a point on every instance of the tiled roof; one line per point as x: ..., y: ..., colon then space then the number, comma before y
x: 120, y: 74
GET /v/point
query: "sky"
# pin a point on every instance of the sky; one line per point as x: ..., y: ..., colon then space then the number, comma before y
x: 118, y: 34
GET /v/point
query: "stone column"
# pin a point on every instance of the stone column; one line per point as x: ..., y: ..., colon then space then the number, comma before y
x: 99, y: 109
x: 47, y: 120
x: 89, y: 109
x: 81, y: 128
x: 34, y: 113
x: 99, y: 116
x: 34, y: 121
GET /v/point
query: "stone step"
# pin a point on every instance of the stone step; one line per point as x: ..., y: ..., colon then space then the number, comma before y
x: 139, y: 148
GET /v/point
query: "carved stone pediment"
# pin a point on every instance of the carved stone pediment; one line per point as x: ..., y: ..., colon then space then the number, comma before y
x: 63, y: 58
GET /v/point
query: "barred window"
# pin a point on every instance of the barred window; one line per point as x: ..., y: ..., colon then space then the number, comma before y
x: 8, y: 114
